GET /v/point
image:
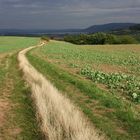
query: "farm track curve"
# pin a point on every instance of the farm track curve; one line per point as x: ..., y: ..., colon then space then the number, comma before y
x: 59, y: 118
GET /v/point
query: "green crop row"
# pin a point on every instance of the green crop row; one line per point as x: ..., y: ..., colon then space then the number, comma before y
x: 117, y: 81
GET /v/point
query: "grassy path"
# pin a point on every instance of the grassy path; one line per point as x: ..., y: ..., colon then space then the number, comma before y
x: 60, y: 120
x: 17, y: 114
x: 17, y: 117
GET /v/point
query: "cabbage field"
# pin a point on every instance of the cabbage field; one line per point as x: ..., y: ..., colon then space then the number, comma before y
x: 102, y: 80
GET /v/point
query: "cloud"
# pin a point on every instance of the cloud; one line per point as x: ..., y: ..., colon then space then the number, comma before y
x: 66, y: 13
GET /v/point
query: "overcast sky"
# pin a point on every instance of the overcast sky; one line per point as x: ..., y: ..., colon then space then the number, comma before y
x: 56, y: 14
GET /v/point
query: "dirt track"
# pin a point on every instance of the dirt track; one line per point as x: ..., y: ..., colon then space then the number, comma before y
x: 60, y: 119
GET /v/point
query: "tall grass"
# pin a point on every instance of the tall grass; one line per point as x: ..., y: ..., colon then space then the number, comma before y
x: 60, y: 119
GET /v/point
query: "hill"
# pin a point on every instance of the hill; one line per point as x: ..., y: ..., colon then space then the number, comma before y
x: 108, y: 27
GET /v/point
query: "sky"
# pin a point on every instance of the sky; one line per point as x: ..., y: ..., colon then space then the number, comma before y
x: 62, y: 14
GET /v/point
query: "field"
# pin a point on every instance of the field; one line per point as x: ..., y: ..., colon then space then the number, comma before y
x: 17, y: 114
x: 103, y: 81
x: 11, y: 44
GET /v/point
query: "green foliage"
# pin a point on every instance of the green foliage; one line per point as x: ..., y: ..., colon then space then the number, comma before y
x: 99, y: 38
x: 77, y: 39
x: 118, y: 81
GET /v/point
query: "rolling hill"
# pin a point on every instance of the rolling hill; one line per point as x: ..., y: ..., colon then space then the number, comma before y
x: 108, y: 27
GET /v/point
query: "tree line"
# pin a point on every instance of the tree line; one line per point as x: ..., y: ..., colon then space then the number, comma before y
x: 100, y: 38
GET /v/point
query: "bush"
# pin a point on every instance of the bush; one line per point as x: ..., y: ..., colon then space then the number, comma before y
x: 45, y: 38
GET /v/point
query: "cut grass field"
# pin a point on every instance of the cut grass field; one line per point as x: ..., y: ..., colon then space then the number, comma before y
x: 17, y: 114
x: 113, y: 111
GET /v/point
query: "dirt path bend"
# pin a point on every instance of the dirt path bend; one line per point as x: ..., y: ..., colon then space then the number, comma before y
x: 60, y: 119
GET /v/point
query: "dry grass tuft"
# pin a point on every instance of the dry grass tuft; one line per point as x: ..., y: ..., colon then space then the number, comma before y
x: 60, y: 119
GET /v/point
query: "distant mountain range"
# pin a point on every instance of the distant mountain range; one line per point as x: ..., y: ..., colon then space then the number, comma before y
x: 92, y: 29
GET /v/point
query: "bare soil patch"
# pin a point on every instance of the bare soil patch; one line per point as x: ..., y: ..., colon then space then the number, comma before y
x: 110, y: 68
x: 2, y: 55
x: 4, y: 108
